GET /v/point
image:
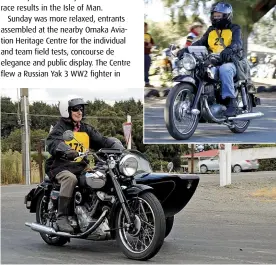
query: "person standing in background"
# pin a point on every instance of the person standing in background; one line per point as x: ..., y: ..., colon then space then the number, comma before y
x: 148, y: 42
x: 195, y: 31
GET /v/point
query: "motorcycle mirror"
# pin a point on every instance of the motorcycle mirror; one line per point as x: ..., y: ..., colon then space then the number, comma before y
x: 170, y: 166
x: 68, y: 135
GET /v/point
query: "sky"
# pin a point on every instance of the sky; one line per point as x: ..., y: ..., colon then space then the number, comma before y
x: 53, y: 95
x: 156, y: 11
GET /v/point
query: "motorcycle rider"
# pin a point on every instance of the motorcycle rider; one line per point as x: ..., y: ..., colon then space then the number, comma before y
x: 253, y: 59
x: 61, y: 167
x: 223, y: 30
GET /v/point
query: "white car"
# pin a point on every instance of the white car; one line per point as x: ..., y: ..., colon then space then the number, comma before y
x: 212, y: 164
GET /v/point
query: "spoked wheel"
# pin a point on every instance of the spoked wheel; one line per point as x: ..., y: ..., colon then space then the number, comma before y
x: 42, y: 217
x: 180, y: 122
x: 144, y: 239
x: 241, y: 126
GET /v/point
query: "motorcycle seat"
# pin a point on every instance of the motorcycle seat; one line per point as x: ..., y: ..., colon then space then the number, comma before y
x: 47, y: 180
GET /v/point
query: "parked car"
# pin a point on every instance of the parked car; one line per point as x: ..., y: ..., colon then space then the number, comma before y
x: 212, y: 164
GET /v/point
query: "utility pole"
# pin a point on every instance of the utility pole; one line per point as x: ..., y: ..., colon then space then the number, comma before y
x: 130, y: 134
x: 40, y: 160
x: 24, y: 94
x: 192, y: 157
x: 225, y: 164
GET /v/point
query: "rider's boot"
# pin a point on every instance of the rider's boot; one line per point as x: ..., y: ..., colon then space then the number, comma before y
x: 71, y: 214
x: 62, y: 217
x: 232, y: 108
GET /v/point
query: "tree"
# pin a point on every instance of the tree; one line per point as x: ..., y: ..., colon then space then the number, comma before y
x: 13, y: 141
x: 264, y: 32
x: 43, y: 122
x: 8, y: 121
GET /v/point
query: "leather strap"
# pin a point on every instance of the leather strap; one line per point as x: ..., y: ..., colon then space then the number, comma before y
x: 220, y: 39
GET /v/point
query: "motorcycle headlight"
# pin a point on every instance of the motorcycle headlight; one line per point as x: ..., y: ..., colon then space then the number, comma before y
x: 188, y: 61
x: 128, y: 165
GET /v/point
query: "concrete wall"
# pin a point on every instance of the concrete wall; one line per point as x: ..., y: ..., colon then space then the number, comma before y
x: 253, y: 153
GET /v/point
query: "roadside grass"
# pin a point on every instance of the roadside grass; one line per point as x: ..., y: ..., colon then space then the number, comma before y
x: 11, y: 169
x: 265, y: 193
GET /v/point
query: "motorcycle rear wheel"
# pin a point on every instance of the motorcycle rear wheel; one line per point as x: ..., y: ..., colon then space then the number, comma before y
x: 150, y: 226
x: 40, y: 210
x: 176, y: 113
x: 241, y: 126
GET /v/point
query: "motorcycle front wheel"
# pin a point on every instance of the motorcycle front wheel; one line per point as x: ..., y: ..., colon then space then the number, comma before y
x: 42, y: 218
x: 143, y: 240
x: 180, y: 123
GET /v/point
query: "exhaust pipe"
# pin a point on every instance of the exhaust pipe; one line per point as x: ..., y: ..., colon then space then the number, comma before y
x: 246, y: 116
x: 210, y: 113
x: 42, y: 228
x: 51, y: 231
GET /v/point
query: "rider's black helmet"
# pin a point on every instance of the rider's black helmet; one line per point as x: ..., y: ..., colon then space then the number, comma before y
x: 227, y: 11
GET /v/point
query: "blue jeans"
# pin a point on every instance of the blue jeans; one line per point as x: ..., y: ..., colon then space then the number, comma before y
x: 226, y: 73
x: 147, y: 67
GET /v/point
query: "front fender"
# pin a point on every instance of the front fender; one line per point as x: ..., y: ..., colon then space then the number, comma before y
x: 135, y: 190
x: 185, y: 79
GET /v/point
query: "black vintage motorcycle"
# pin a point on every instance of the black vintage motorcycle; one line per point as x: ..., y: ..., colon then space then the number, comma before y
x: 197, y: 97
x: 124, y: 201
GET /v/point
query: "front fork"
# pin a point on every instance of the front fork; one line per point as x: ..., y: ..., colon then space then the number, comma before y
x: 197, y: 98
x: 121, y: 197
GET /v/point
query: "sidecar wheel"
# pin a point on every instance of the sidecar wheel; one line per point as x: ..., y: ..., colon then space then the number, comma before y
x: 180, y: 124
x: 169, y: 225
x: 146, y: 237
x: 50, y: 240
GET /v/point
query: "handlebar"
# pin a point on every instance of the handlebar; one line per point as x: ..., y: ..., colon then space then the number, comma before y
x: 87, y: 153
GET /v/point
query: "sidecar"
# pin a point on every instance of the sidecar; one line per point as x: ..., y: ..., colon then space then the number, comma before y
x: 174, y: 191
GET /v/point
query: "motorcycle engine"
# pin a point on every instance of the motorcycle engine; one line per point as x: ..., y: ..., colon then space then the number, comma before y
x: 85, y: 211
x: 95, y: 180
x: 217, y: 110
x: 209, y: 90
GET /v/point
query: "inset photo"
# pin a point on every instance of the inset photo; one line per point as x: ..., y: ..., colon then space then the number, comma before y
x: 209, y: 74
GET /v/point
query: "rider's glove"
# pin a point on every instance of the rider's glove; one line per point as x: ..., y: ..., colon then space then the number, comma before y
x: 71, y: 154
x: 181, y: 52
x: 226, y: 55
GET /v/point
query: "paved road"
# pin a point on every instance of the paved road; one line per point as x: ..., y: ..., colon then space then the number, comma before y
x: 260, y: 130
x: 219, y: 225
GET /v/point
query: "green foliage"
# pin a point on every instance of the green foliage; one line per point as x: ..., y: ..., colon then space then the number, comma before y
x: 13, y: 141
x: 8, y: 121
x: 11, y: 167
x: 42, y: 122
x: 35, y: 157
x: 264, y: 32
x: 166, y: 153
x: 159, y: 166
